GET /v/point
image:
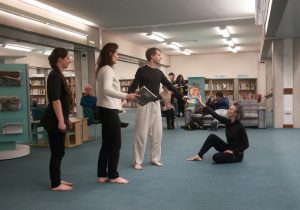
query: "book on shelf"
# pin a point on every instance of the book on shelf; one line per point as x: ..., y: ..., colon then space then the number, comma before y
x: 146, y: 96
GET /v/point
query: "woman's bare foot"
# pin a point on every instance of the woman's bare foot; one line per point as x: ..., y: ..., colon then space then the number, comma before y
x: 156, y: 163
x: 119, y: 180
x: 62, y: 187
x: 138, y: 166
x: 66, y: 183
x: 195, y: 158
x: 103, y: 179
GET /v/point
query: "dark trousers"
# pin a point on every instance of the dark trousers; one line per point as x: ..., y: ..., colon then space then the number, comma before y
x: 170, y: 118
x: 220, y: 157
x: 111, y: 143
x: 181, y: 107
x: 57, y: 148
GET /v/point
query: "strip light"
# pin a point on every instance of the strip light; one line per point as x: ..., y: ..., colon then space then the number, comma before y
x: 233, y: 49
x: 51, y: 26
x: 223, y: 31
x: 229, y: 42
x: 185, y: 51
x: 173, y: 45
x: 155, y: 37
x: 59, y: 12
x: 18, y: 47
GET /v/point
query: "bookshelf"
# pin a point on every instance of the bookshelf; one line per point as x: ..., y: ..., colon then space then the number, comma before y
x: 247, y: 89
x: 212, y: 86
x: 124, y: 85
x: 71, y: 83
x: 38, y: 90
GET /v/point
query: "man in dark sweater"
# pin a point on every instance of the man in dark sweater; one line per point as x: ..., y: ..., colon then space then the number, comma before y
x: 148, y: 117
x: 231, y: 151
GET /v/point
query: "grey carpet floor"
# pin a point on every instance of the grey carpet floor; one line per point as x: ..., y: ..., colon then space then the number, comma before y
x: 268, y: 178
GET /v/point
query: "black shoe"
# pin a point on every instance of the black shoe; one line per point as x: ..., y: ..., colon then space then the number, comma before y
x: 214, y: 125
x: 124, y: 125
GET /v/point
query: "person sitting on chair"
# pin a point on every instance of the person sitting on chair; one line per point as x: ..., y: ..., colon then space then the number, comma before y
x: 168, y: 107
x: 221, y: 105
x: 88, y: 100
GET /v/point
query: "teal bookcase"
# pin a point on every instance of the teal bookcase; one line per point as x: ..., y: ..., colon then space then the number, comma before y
x: 14, y: 114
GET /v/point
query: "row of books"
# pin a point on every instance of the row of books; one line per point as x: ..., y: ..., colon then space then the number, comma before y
x: 247, y: 85
x: 247, y: 96
x: 37, y: 82
x: 219, y: 86
x: 125, y: 82
x: 40, y: 101
x: 38, y: 91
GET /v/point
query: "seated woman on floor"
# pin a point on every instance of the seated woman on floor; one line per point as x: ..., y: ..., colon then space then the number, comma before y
x: 237, y: 139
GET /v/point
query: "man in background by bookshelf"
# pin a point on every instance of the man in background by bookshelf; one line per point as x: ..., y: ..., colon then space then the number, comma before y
x: 148, y: 116
x: 171, y: 77
x: 89, y: 100
x: 221, y: 105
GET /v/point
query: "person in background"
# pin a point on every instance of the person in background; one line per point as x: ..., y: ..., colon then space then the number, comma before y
x: 56, y: 119
x: 171, y: 77
x: 168, y: 107
x: 182, y: 86
x: 89, y: 100
x: 231, y: 151
x: 221, y: 105
x: 109, y: 103
x: 148, y: 117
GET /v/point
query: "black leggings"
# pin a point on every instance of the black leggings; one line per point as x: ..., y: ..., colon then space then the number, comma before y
x: 57, y: 147
x: 220, y: 157
x: 111, y: 143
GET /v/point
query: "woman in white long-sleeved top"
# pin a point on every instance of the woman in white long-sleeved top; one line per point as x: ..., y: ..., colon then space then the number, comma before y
x: 109, y: 100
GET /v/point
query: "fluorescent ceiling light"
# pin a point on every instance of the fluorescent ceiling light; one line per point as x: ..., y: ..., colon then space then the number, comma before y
x: 173, y: 45
x: 229, y: 42
x: 43, y: 23
x: 58, y: 12
x: 18, y: 47
x: 233, y: 49
x: 155, y: 37
x: 268, y: 15
x: 189, y: 51
x: 223, y: 31
x: 186, y: 52
x: 47, y: 52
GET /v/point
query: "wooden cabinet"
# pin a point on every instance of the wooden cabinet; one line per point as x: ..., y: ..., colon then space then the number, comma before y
x: 38, y: 91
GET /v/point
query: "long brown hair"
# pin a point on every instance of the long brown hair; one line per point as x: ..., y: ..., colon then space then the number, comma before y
x: 53, y: 59
x: 105, y: 57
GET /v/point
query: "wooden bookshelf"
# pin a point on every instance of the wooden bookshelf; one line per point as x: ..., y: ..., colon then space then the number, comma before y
x: 212, y: 86
x: 125, y: 84
x: 38, y: 90
x: 247, y: 88
x: 71, y: 83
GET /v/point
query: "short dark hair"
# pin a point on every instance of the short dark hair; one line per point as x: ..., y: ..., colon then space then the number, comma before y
x: 151, y: 52
x: 171, y: 74
x: 220, y: 94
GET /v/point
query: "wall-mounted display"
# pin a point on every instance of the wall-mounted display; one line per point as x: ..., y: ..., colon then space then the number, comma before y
x: 9, y: 103
x: 10, y: 78
x: 12, y: 128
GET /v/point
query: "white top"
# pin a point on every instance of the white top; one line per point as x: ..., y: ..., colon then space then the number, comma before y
x: 109, y: 94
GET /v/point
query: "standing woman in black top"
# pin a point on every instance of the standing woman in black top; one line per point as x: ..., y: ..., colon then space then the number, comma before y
x: 237, y: 139
x: 181, y: 87
x: 56, y: 119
